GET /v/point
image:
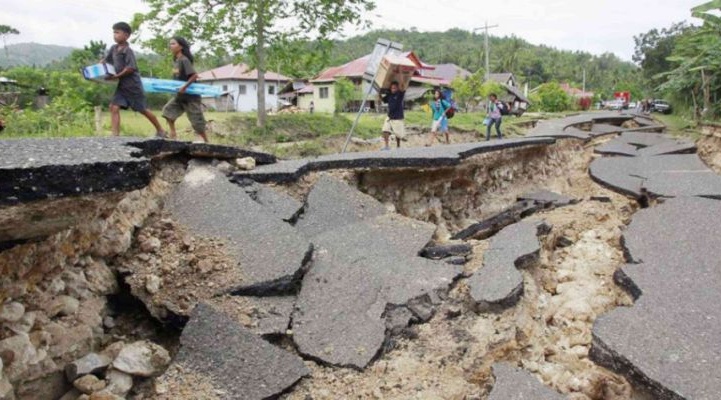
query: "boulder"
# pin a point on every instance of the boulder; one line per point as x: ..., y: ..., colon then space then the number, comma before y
x: 142, y: 358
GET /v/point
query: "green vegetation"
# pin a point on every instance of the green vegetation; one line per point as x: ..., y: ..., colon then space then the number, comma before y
x: 683, y: 63
x: 551, y: 98
x: 32, y: 54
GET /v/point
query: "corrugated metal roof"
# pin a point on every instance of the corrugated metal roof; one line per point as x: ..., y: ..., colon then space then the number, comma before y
x: 448, y: 72
x: 239, y: 72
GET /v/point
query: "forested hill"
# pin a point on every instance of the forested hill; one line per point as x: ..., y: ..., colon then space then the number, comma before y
x: 32, y: 54
x: 536, y: 64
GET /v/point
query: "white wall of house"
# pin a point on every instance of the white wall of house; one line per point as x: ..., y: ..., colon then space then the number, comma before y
x: 245, y: 93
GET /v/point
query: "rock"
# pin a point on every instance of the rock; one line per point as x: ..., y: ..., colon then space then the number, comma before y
x: 246, y: 164
x: 88, y: 384
x: 513, y: 383
x: 225, y: 167
x: 232, y: 352
x: 11, y: 312
x: 73, y: 394
x: 24, y: 324
x: 91, y: 363
x: 101, y: 279
x: 397, y: 319
x: 150, y: 245
x: 119, y: 383
x: 142, y: 358
x: 499, y: 284
x: 7, y: 391
x: 546, y: 198
x: 62, y: 306
x: 152, y: 284
x: 109, y: 322
x: 18, y: 353
x: 104, y: 395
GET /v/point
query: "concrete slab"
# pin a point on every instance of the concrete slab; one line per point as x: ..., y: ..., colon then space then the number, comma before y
x: 513, y: 383
x: 332, y: 203
x: 271, y: 254
x: 499, y: 284
x: 235, y: 361
x: 416, y: 157
x: 37, y: 169
x: 668, y: 340
x: 665, y: 176
x: 358, y: 271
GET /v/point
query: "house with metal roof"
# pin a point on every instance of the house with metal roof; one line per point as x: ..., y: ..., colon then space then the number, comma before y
x: 239, y: 85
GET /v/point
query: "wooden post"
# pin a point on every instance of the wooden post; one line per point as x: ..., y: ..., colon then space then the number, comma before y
x: 98, y: 119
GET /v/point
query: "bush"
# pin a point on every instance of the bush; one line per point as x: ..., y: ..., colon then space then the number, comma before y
x: 551, y: 98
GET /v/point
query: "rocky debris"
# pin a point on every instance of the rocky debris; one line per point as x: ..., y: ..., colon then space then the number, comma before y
x: 118, y: 383
x: 333, y: 204
x: 156, y: 148
x: 260, y: 315
x: 12, y: 311
x: 493, y: 224
x: 513, y: 383
x: 547, y: 198
x: 499, y: 284
x: 142, y: 358
x: 89, y: 384
x: 152, y: 284
x: 245, y: 164
x: 363, y: 264
x: 270, y: 255
x: 275, y: 201
x: 90, y: 363
x: 439, y: 252
x: 409, y: 157
x: 62, y: 305
x: 665, y: 176
x: 233, y: 363
x: 667, y: 341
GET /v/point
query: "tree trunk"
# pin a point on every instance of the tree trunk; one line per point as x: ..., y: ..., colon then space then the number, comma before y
x: 260, y: 60
x: 706, y: 81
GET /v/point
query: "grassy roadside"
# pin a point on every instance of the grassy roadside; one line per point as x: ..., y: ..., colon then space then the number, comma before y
x: 679, y: 126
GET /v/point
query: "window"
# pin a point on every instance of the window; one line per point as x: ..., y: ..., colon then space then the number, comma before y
x: 323, y: 93
x: 225, y: 88
x: 271, y: 89
x: 242, y: 89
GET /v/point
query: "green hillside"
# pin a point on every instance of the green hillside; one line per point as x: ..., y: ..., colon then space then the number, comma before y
x: 29, y: 54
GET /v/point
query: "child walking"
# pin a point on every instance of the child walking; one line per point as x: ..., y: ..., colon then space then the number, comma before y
x: 129, y: 93
x: 439, y: 106
x: 183, y: 70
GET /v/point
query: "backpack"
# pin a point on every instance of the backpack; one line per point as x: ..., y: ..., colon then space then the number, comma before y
x: 503, y: 108
x: 451, y: 111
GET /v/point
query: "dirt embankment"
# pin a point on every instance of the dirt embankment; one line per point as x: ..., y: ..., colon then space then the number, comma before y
x: 709, y: 149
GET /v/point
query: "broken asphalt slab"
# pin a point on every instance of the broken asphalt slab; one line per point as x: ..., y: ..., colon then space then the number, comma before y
x: 547, y: 198
x: 668, y: 340
x: 270, y: 253
x: 37, y: 169
x: 418, y: 157
x: 366, y: 262
x: 159, y: 147
x: 513, y: 383
x: 236, y: 362
x: 499, y: 284
x: 666, y: 176
x: 263, y: 316
x: 281, y: 204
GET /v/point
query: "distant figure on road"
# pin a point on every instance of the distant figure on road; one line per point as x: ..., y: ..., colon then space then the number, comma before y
x: 439, y: 106
x: 183, y: 70
x: 312, y: 106
x: 394, y: 124
x: 129, y: 93
x: 494, y: 116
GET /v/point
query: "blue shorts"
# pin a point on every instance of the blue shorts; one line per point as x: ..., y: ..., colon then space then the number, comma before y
x: 136, y: 102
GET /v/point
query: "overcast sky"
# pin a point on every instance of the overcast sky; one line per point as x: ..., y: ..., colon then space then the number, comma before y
x: 596, y: 26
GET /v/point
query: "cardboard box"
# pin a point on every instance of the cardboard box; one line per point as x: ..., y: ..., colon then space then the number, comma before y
x: 98, y: 72
x: 394, y: 68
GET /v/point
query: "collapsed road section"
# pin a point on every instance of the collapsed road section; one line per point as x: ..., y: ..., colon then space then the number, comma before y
x: 152, y: 269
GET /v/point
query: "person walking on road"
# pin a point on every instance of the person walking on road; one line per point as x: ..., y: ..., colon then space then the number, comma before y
x: 394, y: 124
x: 494, y: 116
x: 439, y: 106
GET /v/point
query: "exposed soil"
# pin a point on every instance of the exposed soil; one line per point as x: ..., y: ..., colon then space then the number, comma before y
x: 709, y: 149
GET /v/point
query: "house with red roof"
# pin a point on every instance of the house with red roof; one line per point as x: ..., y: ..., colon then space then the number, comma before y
x: 239, y: 85
x: 321, y: 89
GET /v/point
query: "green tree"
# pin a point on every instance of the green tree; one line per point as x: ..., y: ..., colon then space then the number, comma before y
x: 234, y: 26
x: 5, y: 31
x: 345, y: 92
x: 551, y: 98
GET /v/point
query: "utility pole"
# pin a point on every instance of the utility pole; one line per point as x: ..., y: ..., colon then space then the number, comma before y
x: 584, y: 80
x: 486, y: 27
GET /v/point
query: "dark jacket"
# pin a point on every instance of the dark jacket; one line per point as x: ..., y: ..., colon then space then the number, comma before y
x: 395, y: 103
